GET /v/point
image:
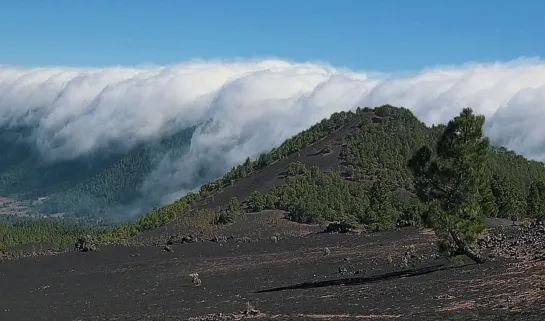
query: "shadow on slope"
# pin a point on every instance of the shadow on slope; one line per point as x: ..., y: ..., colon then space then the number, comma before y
x: 367, y: 279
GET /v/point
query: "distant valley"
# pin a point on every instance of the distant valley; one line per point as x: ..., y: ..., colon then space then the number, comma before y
x: 89, y: 187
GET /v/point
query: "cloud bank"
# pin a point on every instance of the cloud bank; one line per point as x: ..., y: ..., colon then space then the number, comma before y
x: 250, y: 106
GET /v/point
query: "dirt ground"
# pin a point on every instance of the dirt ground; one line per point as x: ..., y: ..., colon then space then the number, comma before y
x: 291, y: 279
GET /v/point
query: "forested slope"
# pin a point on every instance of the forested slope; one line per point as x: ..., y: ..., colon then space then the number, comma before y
x: 353, y: 167
x: 350, y: 167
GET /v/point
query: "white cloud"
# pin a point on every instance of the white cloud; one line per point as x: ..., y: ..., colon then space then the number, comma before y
x: 255, y: 105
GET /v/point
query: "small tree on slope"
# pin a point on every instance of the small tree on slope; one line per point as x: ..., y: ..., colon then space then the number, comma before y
x: 452, y: 180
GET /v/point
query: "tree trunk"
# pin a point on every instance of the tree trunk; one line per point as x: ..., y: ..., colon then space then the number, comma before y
x: 464, y: 248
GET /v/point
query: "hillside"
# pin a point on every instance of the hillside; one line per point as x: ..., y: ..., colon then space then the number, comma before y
x: 88, y: 187
x: 351, y: 167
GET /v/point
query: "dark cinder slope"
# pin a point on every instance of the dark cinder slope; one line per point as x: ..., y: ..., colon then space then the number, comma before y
x: 287, y: 280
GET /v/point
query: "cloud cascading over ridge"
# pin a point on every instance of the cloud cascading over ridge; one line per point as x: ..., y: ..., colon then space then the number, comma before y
x: 251, y: 106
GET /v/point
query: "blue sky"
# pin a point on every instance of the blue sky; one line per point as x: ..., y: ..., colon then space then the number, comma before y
x: 383, y: 35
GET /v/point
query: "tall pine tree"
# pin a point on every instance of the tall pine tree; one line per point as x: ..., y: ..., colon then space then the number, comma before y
x: 536, y: 201
x: 452, y: 180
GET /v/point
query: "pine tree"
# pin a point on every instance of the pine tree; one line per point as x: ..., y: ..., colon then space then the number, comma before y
x: 507, y: 199
x: 536, y: 198
x: 256, y: 202
x: 489, y: 203
x: 234, y: 205
x: 451, y: 180
x: 381, y: 210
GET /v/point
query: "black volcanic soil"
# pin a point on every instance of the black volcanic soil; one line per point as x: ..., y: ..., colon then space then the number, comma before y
x: 291, y: 279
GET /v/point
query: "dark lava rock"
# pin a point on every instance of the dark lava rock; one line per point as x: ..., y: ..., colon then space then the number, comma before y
x: 405, y: 223
x: 5, y: 256
x: 246, y: 239
x: 219, y: 239
x: 217, y: 317
x: 188, y: 239
x: 174, y: 239
x: 86, y: 244
x: 249, y: 312
x: 520, y: 242
x: 339, y: 227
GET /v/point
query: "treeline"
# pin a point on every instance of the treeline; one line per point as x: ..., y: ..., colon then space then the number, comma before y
x: 380, y: 148
x: 312, y: 196
x: 15, y: 231
x: 119, y: 184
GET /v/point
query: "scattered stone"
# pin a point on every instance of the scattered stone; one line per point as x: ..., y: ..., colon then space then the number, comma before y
x: 327, y: 251
x: 435, y: 256
x: 404, y: 262
x: 444, y: 297
x: 219, y: 239
x: 168, y: 248
x: 405, y: 223
x: 389, y: 259
x: 274, y: 238
x: 188, y: 239
x: 173, y: 239
x: 244, y: 239
x: 195, y: 279
x: 250, y: 310
x: 217, y: 317
x: 521, y: 242
x: 86, y: 244
x: 339, y: 227
x: 5, y: 256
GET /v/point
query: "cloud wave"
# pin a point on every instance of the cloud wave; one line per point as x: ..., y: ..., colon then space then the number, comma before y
x: 251, y: 106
